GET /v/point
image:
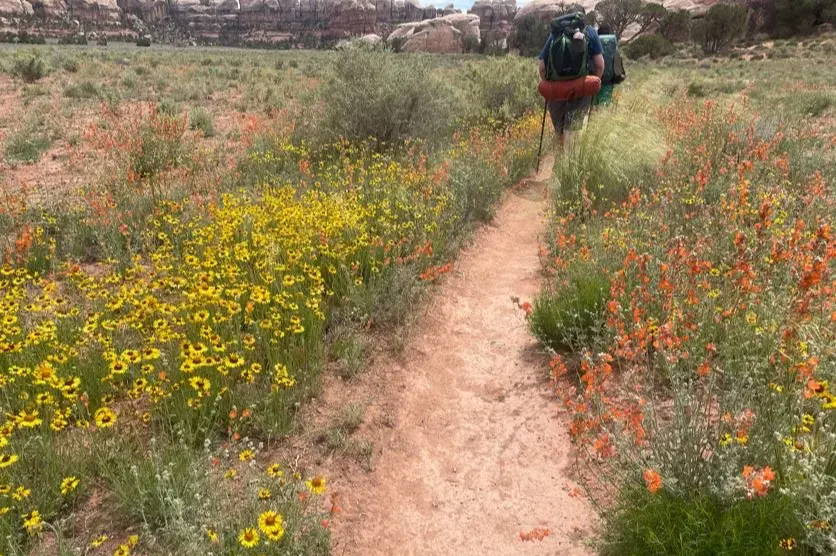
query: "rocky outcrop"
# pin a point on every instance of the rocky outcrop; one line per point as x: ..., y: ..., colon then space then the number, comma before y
x: 547, y: 9
x: 449, y: 34
x: 496, y: 19
x: 15, y: 9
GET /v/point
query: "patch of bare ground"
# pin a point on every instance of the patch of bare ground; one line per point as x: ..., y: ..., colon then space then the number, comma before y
x: 471, y: 455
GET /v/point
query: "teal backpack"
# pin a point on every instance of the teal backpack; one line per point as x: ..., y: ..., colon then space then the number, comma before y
x: 566, y: 57
x: 613, y: 64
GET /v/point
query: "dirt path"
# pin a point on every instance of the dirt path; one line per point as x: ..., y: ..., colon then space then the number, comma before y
x: 476, y: 452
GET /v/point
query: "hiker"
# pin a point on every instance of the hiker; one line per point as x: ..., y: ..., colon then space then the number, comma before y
x: 613, y: 66
x: 568, y: 115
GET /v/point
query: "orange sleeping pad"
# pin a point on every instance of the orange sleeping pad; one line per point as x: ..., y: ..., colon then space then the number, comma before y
x: 570, y: 90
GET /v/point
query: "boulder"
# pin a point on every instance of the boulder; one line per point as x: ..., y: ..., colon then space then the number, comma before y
x: 49, y: 9
x: 448, y: 34
x: 547, y: 9
x: 16, y: 8
x: 370, y: 41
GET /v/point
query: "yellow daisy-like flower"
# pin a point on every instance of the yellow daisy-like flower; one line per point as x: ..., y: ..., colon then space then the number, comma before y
x: 28, y: 419
x: 21, y: 493
x: 69, y: 484
x: 98, y: 541
x: 7, y: 459
x: 122, y: 550
x: 201, y: 385
x: 104, y: 417
x: 213, y: 536
x: 230, y: 473
x: 272, y: 525
x: 264, y: 494
x: 316, y: 485
x: 274, y: 470
x: 246, y: 455
x: 248, y: 538
x: 32, y: 522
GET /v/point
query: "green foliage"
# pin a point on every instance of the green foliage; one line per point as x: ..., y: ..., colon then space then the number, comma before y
x: 619, y: 14
x: 615, y: 153
x: 28, y: 144
x: 85, y: 89
x: 570, y: 316
x: 653, y: 45
x: 799, y: 17
x: 386, y: 98
x: 676, y: 26
x: 722, y: 24
x: 529, y: 35
x: 199, y: 118
x: 501, y: 88
x: 696, y: 524
x: 29, y: 68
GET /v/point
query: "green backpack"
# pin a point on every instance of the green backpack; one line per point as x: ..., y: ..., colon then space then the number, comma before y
x: 613, y: 64
x: 566, y: 57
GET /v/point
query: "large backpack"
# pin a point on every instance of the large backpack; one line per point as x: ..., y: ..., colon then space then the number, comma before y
x: 613, y: 64
x: 566, y: 57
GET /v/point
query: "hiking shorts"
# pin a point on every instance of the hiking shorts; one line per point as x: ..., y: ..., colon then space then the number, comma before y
x: 568, y: 115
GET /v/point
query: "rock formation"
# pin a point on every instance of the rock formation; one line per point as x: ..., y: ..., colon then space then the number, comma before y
x: 309, y: 23
x: 15, y: 9
x: 546, y: 9
x: 496, y: 19
x: 449, y: 34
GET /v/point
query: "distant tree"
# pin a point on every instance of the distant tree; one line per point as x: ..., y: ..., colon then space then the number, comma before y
x: 798, y: 17
x: 651, y: 15
x: 722, y: 24
x: 676, y: 26
x: 619, y: 14
x: 529, y: 35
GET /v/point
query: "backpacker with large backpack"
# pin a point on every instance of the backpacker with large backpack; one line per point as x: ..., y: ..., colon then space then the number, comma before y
x: 566, y: 55
x: 566, y: 60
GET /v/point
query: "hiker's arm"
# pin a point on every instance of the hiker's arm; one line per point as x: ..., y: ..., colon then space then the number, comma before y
x: 541, y: 67
x: 598, y: 60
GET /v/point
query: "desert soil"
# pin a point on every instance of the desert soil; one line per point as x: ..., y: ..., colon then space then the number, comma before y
x: 474, y: 450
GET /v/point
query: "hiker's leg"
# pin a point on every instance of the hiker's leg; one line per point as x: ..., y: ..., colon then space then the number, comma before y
x: 576, y: 114
x: 558, y: 111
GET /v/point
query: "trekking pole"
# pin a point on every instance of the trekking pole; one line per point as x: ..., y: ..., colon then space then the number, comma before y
x: 542, y: 131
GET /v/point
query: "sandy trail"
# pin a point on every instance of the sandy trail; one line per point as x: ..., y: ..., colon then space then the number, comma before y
x: 475, y: 452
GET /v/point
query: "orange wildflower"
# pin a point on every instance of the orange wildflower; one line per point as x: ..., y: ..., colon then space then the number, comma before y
x: 652, y: 480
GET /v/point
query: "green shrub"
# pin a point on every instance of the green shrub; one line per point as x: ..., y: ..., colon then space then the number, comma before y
x: 571, y: 316
x: 200, y: 119
x: 696, y: 89
x: 814, y: 103
x: 653, y: 45
x: 529, y: 35
x: 70, y: 65
x: 30, y: 69
x: 501, y: 88
x: 168, y: 107
x: 615, y: 153
x: 85, y: 89
x: 665, y: 523
x: 386, y: 98
x: 676, y: 26
x: 28, y: 145
x: 722, y: 24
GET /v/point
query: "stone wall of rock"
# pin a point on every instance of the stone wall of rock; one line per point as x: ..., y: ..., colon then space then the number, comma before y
x: 301, y: 22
